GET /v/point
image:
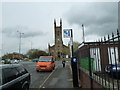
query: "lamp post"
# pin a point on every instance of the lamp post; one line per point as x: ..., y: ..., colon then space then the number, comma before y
x: 20, y: 42
x: 74, y: 64
x: 83, y: 33
x: 31, y: 44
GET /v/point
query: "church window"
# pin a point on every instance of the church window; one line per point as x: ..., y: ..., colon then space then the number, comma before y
x: 58, y: 54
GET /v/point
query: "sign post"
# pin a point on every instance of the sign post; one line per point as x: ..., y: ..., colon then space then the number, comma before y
x: 69, y: 34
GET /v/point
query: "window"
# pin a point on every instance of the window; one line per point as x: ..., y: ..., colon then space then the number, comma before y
x: 21, y: 70
x: 58, y: 54
x: 10, y: 74
x: 45, y: 59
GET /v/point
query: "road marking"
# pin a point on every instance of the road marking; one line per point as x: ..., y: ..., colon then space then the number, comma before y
x: 47, y: 78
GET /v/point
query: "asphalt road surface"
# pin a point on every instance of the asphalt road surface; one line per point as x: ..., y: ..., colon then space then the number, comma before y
x: 38, y: 78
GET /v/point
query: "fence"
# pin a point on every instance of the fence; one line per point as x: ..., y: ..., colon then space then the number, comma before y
x: 99, y: 63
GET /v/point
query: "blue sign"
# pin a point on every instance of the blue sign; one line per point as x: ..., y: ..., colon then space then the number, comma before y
x: 66, y: 33
x: 74, y: 60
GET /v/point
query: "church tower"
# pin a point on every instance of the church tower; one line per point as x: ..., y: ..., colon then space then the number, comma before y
x: 58, y: 33
x: 58, y: 39
x: 58, y: 49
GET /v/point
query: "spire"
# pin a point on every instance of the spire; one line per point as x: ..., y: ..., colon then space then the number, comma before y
x: 54, y: 23
x: 60, y: 22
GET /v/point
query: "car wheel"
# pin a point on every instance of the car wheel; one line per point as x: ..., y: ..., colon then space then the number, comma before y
x: 51, y: 70
x: 37, y: 70
x: 54, y: 68
x: 26, y: 87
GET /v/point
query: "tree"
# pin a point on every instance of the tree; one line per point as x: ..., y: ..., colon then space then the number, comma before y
x: 36, y: 53
x: 66, y: 51
x: 13, y: 55
x: 75, y: 45
x: 7, y: 56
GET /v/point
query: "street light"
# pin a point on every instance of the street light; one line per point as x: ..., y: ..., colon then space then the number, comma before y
x: 20, y: 42
x: 83, y: 33
x: 31, y: 43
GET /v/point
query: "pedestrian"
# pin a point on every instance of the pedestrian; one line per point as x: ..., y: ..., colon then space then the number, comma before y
x: 63, y: 62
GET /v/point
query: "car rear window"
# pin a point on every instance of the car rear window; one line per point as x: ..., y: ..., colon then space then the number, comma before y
x: 45, y: 59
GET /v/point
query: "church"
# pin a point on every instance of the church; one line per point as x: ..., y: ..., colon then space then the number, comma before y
x: 59, y: 50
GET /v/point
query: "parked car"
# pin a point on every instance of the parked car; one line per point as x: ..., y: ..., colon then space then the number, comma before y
x: 2, y: 61
x: 25, y: 59
x: 35, y: 60
x: 14, y: 76
x: 7, y: 61
x: 14, y: 61
x: 113, y: 70
x: 45, y: 63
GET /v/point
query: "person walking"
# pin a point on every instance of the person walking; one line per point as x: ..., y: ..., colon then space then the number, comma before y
x: 63, y: 62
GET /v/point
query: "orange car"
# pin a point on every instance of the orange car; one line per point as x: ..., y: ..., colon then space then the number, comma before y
x: 45, y: 63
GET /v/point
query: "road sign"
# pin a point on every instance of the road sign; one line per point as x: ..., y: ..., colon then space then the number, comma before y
x: 67, y: 33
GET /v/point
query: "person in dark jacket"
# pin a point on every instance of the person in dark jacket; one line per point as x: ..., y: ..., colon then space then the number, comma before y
x: 63, y: 62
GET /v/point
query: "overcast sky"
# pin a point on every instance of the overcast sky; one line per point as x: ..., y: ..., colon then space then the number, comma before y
x: 35, y: 20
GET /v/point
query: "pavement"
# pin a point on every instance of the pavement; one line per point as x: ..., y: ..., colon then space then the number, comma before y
x: 59, y: 78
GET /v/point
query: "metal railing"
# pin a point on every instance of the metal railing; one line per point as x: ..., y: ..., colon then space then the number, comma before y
x: 101, y: 59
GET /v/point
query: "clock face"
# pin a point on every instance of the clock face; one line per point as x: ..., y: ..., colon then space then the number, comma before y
x: 58, y: 39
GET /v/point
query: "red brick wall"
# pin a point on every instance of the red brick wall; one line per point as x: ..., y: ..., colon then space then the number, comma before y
x: 85, y: 81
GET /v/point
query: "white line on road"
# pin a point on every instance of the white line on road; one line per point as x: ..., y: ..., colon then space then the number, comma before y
x: 47, y: 78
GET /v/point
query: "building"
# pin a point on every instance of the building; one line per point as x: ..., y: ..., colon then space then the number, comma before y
x: 59, y: 50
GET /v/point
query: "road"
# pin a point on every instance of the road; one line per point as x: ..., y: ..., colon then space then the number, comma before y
x: 59, y: 78
x: 38, y: 79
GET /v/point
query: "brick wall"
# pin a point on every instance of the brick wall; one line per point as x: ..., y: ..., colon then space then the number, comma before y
x: 85, y: 80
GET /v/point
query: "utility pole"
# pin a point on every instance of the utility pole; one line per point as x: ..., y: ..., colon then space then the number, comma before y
x: 83, y: 33
x: 20, y: 42
x: 71, y: 43
x: 74, y: 64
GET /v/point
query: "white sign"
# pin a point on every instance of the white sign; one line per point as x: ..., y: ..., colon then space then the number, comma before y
x: 67, y: 33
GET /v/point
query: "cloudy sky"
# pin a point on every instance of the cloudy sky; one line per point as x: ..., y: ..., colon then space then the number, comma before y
x: 35, y: 20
